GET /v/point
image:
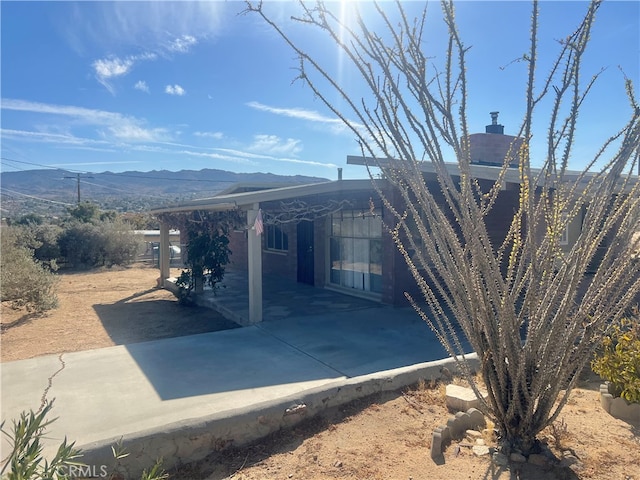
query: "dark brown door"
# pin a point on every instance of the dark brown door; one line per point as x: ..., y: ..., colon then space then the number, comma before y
x: 305, y: 252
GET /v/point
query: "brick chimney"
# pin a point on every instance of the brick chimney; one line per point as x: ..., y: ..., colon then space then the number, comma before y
x: 492, y: 147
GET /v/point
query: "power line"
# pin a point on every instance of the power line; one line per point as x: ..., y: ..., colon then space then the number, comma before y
x: 121, y: 189
x: 13, y: 192
x: 78, y: 177
x: 169, y: 178
x: 37, y: 165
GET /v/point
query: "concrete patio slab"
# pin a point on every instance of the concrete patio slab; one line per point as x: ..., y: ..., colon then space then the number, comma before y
x: 181, y: 398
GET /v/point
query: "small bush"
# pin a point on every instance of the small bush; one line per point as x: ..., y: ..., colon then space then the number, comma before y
x: 619, y: 360
x: 25, y: 281
x: 106, y: 243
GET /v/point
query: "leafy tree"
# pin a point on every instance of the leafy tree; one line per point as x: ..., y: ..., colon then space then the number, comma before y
x: 84, y: 212
x: 525, y: 305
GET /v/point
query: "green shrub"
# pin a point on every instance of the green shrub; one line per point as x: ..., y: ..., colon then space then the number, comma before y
x: 42, y: 239
x: 619, y: 360
x: 25, y: 460
x: 104, y: 243
x: 25, y: 281
x: 207, y: 256
x: 82, y: 245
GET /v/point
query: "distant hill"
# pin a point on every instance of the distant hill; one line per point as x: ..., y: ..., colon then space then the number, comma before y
x: 46, y: 192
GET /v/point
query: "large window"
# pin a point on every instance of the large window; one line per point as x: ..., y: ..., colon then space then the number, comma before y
x: 355, y: 250
x: 276, y: 239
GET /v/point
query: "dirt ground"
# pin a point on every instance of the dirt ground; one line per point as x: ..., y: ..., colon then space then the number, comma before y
x: 102, y: 308
x: 382, y: 437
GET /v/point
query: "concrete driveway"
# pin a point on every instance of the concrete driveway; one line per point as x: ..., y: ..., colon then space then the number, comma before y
x: 234, y: 385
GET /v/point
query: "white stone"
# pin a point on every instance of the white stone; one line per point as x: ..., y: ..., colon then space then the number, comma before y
x: 480, y: 450
x: 473, y: 434
x: 461, y: 399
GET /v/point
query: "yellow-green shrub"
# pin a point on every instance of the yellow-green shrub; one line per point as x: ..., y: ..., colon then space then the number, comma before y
x: 619, y: 360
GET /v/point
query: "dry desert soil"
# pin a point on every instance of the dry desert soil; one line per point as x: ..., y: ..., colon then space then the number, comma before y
x: 381, y: 437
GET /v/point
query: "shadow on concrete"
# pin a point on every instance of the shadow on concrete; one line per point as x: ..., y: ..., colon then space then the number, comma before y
x: 311, y: 336
x: 133, y: 320
x: 301, y: 350
x: 245, y: 359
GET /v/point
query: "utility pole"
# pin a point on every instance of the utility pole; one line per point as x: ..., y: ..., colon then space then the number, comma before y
x: 78, y: 179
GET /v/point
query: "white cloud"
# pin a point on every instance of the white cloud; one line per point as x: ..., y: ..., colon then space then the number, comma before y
x: 48, y: 137
x: 336, y: 125
x: 274, y: 145
x: 142, y: 86
x: 151, y: 26
x: 112, y: 67
x: 243, y: 154
x: 174, y: 90
x: 214, y: 135
x: 134, y: 133
x: 111, y: 124
x: 182, y: 44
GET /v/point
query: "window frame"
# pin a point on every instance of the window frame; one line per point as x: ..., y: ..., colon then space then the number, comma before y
x: 271, y: 232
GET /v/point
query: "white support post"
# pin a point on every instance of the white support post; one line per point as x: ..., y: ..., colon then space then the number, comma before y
x: 255, y: 267
x: 164, y: 253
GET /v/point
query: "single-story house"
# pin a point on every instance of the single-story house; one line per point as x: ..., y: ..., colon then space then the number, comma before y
x: 330, y: 235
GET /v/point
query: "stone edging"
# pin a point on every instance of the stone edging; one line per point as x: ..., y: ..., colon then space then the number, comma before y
x: 455, y: 428
x: 618, y: 407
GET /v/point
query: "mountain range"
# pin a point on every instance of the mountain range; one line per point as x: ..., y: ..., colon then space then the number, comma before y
x: 49, y: 192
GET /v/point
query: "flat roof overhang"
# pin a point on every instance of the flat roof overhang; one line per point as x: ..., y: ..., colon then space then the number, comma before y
x: 246, y: 200
x: 487, y: 172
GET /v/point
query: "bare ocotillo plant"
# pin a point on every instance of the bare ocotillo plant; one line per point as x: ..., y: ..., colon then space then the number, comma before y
x: 527, y: 308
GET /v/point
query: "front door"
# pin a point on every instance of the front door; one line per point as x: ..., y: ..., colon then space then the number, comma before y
x: 305, y: 252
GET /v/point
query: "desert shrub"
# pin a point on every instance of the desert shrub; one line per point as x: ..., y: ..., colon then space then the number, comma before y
x: 121, y: 245
x: 25, y: 281
x: 82, y: 245
x: 42, y: 239
x: 619, y: 360
x: 107, y: 243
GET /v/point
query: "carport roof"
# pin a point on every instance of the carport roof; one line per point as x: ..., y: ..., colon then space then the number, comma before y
x: 245, y: 200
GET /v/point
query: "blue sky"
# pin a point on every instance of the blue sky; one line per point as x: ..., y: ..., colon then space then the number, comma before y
x: 119, y: 86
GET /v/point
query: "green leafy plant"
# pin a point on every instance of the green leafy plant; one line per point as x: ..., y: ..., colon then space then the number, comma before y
x: 156, y: 472
x: 25, y: 461
x: 207, y: 256
x: 619, y: 360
